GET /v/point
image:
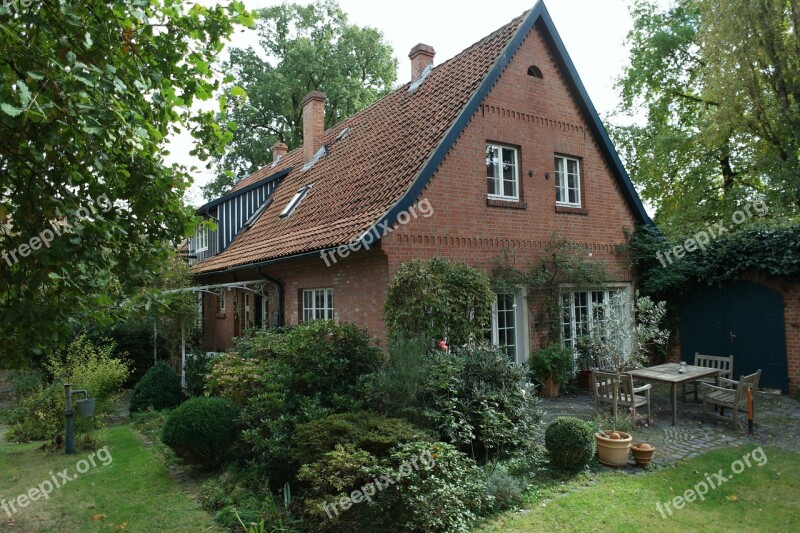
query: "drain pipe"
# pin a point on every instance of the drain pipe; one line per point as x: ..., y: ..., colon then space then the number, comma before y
x: 279, y: 285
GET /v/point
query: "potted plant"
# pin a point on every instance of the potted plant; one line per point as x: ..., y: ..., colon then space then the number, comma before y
x: 552, y: 366
x: 585, y: 361
x: 642, y: 453
x: 613, y: 445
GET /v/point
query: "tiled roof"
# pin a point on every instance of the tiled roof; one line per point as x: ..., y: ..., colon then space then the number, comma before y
x: 370, y: 170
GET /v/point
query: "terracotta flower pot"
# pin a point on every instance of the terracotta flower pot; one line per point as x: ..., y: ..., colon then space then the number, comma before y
x: 642, y: 457
x: 613, y: 452
x: 549, y: 389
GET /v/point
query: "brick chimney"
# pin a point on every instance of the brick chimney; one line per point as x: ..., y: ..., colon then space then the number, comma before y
x: 421, y: 56
x: 313, y: 123
x: 278, y: 151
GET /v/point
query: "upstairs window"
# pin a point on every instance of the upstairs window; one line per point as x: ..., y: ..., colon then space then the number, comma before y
x: 568, y: 181
x: 201, y: 239
x: 502, y: 172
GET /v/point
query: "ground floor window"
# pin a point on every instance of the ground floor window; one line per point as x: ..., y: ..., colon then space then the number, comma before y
x: 509, y: 325
x: 582, y: 312
x: 317, y: 304
x: 199, y: 320
x: 248, y: 317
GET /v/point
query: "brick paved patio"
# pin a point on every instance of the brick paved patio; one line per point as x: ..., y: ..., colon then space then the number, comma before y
x: 777, y: 423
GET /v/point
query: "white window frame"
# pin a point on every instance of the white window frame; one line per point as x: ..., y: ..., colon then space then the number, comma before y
x: 295, y: 201
x: 201, y: 238
x: 570, y: 316
x: 221, y: 302
x: 520, y: 322
x: 247, y: 310
x: 562, y: 181
x: 499, y: 179
x: 311, y: 309
x: 264, y: 313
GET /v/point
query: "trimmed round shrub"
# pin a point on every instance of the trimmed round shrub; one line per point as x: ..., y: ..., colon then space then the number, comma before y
x: 202, y: 429
x: 570, y: 442
x: 159, y: 388
x: 367, y: 431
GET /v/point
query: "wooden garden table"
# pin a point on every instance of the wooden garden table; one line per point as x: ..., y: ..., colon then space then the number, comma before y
x: 668, y: 373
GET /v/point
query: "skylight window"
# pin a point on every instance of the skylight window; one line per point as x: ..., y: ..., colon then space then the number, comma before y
x: 298, y: 197
x: 342, y: 134
x: 425, y: 73
x: 322, y: 152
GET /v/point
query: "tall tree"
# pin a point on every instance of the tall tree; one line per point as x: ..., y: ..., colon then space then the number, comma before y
x: 715, y: 80
x: 302, y: 49
x: 89, y: 210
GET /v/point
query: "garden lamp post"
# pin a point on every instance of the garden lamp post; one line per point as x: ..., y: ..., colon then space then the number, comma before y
x: 84, y: 407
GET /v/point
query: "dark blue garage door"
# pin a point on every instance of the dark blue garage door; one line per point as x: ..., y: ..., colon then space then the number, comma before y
x: 741, y: 319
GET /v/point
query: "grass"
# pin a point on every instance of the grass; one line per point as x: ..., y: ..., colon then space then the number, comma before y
x: 761, y: 498
x: 134, y: 492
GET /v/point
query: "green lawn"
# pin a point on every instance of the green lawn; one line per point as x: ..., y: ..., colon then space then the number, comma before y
x: 134, y: 492
x: 761, y: 498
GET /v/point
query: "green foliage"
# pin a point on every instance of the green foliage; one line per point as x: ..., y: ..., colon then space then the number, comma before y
x: 570, y: 442
x: 437, y: 488
x: 622, y: 340
x: 159, y: 388
x: 438, y: 299
x: 717, y: 83
x: 364, y: 430
x: 774, y: 250
x: 202, y: 429
x: 287, y: 377
x: 39, y: 413
x: 334, y: 476
x: 504, y: 490
x: 302, y: 48
x: 564, y: 263
x: 198, y: 367
x: 90, y: 92
x: 136, y: 338
x: 474, y: 397
x: 554, y: 360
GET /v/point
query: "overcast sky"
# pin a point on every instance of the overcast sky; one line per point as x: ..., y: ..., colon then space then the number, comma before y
x: 593, y: 31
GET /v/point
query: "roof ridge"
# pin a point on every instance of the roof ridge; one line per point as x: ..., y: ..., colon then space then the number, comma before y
x: 343, y: 123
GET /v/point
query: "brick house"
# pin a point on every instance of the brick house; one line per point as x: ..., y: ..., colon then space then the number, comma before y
x: 496, y: 149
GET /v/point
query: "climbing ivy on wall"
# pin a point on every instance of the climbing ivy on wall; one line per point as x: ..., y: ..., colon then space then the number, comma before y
x: 774, y: 250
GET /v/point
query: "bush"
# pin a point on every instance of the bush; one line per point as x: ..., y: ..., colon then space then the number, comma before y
x: 198, y: 367
x: 436, y: 488
x: 202, y: 429
x: 474, y: 397
x: 438, y: 299
x: 39, y: 413
x: 570, y: 442
x: 159, y: 388
x: 334, y: 476
x: 367, y: 431
x: 554, y: 360
x: 504, y: 490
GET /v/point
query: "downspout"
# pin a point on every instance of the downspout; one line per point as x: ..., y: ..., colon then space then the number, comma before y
x: 279, y: 285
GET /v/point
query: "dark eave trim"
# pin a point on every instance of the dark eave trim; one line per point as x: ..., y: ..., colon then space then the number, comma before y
x: 243, y: 190
x: 595, y: 123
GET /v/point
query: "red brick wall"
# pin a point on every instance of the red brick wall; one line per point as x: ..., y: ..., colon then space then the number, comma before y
x: 359, y: 289
x: 540, y: 117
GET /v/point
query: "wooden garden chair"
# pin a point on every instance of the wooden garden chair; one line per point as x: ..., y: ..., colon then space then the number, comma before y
x: 726, y: 396
x: 632, y: 396
x: 606, y: 390
x: 723, y: 364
